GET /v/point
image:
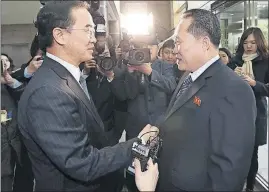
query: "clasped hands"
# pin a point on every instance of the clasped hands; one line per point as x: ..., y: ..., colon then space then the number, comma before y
x: 147, y: 180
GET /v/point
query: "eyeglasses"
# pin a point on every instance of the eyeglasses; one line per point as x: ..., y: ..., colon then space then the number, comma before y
x: 88, y: 30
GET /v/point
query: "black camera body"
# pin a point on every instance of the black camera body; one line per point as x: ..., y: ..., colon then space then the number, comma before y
x: 105, y: 63
x: 139, y: 56
x: 144, y: 152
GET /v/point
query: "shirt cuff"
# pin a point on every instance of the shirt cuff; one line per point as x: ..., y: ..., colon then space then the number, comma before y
x: 26, y: 74
x: 15, y: 85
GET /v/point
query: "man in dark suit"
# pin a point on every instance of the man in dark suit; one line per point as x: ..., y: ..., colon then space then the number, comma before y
x: 57, y: 118
x: 210, y: 123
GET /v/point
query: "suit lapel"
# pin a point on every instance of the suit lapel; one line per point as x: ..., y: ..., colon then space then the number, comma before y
x: 172, y: 101
x: 193, y: 89
x: 75, y: 87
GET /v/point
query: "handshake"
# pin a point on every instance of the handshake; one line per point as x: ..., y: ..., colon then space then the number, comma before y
x: 147, y: 180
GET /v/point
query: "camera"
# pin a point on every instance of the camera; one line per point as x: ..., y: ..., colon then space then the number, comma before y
x: 143, y: 152
x: 139, y: 56
x: 105, y: 63
x: 41, y: 58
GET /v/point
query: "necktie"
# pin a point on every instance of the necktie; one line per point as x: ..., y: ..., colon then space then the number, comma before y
x: 83, y: 84
x: 185, y: 85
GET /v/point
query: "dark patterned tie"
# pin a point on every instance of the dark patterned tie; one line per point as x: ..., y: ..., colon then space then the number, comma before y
x: 185, y: 85
x: 83, y: 84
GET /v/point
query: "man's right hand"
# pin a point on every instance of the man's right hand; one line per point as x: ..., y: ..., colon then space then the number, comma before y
x: 146, y: 181
x: 34, y: 64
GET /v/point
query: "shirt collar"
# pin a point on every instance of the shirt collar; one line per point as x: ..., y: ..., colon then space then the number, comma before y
x: 194, y: 75
x: 75, y: 71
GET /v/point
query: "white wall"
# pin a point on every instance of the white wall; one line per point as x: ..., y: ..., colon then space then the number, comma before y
x: 19, y: 12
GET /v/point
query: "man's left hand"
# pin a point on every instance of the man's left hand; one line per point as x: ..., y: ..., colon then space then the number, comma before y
x: 144, y: 68
x: 249, y: 80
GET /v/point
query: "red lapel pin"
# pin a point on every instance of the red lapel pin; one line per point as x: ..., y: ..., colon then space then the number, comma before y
x: 197, y: 101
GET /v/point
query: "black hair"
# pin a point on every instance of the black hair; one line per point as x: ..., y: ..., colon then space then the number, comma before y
x: 169, y: 44
x: 12, y: 66
x: 34, y: 46
x: 204, y: 23
x: 262, y: 47
x: 228, y: 53
x: 55, y: 14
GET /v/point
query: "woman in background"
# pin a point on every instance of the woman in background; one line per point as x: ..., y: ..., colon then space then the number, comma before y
x: 251, y: 63
x: 10, y: 140
x: 225, y: 55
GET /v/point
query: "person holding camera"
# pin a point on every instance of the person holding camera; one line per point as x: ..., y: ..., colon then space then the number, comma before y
x: 147, y: 89
x: 10, y: 140
x: 26, y: 71
x: 12, y: 89
x: 110, y: 109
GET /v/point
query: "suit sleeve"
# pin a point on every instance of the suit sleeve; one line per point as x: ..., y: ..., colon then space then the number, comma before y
x: 232, y: 130
x: 166, y: 81
x: 57, y: 128
x: 19, y: 74
x: 16, y: 92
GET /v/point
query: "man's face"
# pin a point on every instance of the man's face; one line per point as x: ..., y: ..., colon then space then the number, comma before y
x: 169, y: 55
x: 189, y: 50
x: 81, y: 36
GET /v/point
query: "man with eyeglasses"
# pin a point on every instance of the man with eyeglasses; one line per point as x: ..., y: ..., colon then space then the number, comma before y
x: 59, y: 123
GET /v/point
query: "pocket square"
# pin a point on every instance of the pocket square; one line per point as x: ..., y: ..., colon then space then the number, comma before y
x: 197, y: 101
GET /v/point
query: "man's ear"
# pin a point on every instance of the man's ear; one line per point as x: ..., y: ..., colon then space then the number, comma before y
x: 206, y: 43
x: 59, y: 35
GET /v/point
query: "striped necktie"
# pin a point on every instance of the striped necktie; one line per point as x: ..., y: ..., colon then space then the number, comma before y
x: 83, y: 84
x: 185, y: 85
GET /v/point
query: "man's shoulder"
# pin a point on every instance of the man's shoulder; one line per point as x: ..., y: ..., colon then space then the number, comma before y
x: 232, y: 84
x: 43, y: 78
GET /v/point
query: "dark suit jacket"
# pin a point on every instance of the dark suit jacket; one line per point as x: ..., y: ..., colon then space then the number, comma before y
x: 261, y: 91
x: 64, y: 134
x: 10, y: 140
x: 208, y: 147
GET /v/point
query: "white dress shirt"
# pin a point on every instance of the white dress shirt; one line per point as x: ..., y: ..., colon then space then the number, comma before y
x: 74, y: 70
x: 194, y: 75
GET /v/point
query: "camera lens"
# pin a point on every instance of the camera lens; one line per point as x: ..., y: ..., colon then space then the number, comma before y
x: 139, y: 56
x: 107, y: 64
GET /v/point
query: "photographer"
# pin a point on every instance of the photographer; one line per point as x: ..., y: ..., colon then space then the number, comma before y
x: 147, y: 89
x: 26, y: 71
x: 10, y: 140
x: 110, y: 109
x: 24, y: 178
